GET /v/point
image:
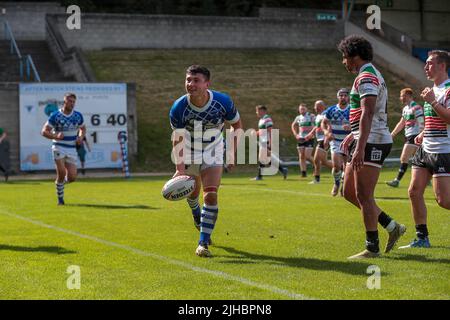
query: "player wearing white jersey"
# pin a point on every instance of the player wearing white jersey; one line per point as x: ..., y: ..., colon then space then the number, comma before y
x: 368, y: 144
x: 336, y: 127
x: 302, y: 125
x: 412, y: 121
x: 320, y: 155
x: 265, y: 155
x: 206, y: 111
x: 66, y: 128
x: 432, y: 160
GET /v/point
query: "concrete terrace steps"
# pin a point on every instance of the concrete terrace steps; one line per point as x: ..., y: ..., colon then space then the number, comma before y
x: 45, y: 64
x: 43, y: 60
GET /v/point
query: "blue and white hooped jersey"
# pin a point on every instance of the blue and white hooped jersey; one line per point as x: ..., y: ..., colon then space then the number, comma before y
x: 338, y: 118
x: 219, y: 108
x: 68, y: 125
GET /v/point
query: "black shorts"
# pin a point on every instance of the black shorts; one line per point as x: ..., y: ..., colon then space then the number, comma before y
x: 305, y: 144
x: 410, y: 139
x: 321, y: 145
x: 81, y: 154
x: 374, y: 154
x: 438, y: 164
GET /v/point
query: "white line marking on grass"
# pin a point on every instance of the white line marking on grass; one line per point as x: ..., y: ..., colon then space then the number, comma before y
x: 302, y: 193
x: 179, y: 263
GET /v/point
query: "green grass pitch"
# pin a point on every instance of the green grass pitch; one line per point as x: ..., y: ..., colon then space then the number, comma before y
x: 274, y: 239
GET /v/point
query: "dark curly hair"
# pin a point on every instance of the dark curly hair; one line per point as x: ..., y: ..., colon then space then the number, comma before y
x: 354, y: 45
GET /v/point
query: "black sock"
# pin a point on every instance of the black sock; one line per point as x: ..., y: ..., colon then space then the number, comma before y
x: 421, y: 231
x: 303, y: 174
x: 372, y: 242
x: 317, y: 178
x: 384, y: 219
x: 259, y: 170
x: 402, y: 171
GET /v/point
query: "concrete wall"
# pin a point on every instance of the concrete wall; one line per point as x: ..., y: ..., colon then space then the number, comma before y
x: 9, y: 120
x: 99, y: 31
x: 394, y: 59
x: 311, y: 14
x: 27, y: 19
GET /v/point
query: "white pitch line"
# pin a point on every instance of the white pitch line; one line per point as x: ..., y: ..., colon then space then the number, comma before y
x: 179, y: 263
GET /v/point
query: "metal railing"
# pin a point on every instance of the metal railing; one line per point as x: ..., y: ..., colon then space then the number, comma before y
x: 23, y: 60
x: 13, y: 45
x: 30, y: 66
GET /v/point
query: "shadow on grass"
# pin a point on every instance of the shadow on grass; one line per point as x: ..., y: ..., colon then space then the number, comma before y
x: 111, y: 206
x: 420, y: 258
x: 349, y: 267
x: 22, y: 182
x: 55, y: 250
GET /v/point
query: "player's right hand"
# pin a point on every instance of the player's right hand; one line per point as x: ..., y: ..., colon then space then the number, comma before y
x: 59, y: 136
x: 178, y: 173
x: 345, y: 144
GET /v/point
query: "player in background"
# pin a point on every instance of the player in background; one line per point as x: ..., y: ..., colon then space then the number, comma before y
x: 65, y: 127
x: 320, y: 155
x: 205, y: 110
x: 368, y: 144
x: 81, y: 151
x: 412, y: 121
x: 302, y: 125
x: 432, y: 160
x: 264, y: 133
x: 336, y: 126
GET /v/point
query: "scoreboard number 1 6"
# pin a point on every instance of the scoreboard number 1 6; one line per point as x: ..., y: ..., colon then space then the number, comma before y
x: 106, y: 122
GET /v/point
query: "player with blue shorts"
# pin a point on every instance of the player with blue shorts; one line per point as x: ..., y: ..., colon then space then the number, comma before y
x: 198, y: 119
x: 65, y: 127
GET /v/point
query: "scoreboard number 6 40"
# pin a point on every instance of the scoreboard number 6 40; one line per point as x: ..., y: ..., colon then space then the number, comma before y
x: 107, y: 123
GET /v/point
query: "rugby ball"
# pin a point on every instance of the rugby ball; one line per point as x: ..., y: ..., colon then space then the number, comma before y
x: 178, y: 188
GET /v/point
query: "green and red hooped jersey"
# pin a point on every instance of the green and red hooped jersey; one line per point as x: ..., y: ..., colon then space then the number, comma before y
x: 305, y: 123
x: 320, y: 135
x: 264, y: 123
x: 411, y: 113
x: 370, y: 82
x: 436, y: 137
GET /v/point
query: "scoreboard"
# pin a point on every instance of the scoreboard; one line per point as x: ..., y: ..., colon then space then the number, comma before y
x: 104, y: 110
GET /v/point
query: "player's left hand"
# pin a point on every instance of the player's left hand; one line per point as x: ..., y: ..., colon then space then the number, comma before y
x: 428, y: 95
